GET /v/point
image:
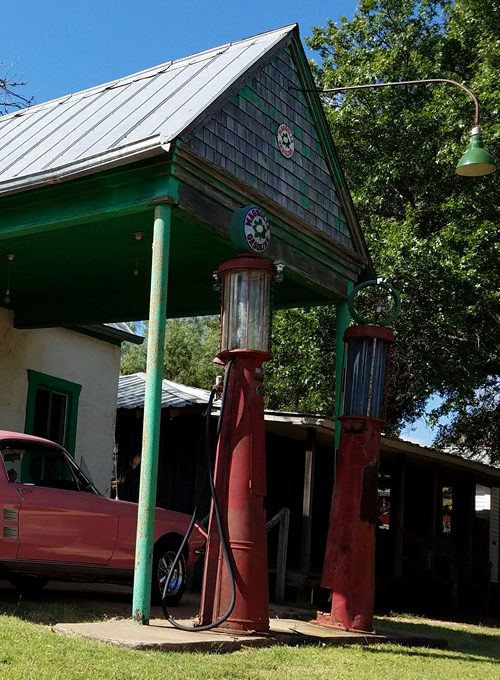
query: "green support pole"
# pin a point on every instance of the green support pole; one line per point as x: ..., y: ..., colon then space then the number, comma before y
x: 141, y: 604
x: 342, y: 320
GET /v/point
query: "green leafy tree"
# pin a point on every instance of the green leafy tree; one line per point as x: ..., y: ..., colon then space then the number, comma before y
x: 432, y: 233
x: 303, y: 345
x: 190, y: 347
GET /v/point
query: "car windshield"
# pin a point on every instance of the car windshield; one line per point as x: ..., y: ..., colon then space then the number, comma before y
x: 32, y: 463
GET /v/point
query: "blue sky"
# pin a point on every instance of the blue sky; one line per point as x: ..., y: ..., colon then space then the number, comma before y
x: 62, y: 46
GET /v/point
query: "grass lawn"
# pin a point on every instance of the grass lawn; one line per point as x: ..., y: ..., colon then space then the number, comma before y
x: 29, y: 650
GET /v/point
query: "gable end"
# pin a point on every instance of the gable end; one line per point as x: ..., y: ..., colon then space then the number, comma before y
x: 241, y: 137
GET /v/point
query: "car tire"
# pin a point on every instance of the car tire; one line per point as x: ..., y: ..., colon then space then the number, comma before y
x: 163, y: 556
x: 28, y: 585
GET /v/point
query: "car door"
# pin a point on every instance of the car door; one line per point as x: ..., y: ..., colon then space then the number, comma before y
x: 59, y: 522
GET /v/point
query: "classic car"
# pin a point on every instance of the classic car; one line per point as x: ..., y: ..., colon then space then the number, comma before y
x: 54, y: 524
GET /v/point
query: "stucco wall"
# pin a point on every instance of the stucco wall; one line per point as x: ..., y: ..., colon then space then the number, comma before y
x: 61, y: 353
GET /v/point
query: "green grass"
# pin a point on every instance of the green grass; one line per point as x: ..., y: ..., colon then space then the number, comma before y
x: 30, y: 650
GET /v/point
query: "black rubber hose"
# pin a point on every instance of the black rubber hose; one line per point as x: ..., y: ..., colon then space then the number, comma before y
x: 220, y: 526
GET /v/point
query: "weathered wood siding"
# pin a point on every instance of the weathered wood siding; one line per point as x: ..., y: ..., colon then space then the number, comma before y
x: 242, y: 139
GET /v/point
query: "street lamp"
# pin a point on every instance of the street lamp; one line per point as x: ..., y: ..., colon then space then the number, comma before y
x: 476, y: 161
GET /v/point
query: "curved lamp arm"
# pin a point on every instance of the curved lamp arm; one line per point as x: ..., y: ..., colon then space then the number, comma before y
x: 409, y: 82
x: 476, y: 161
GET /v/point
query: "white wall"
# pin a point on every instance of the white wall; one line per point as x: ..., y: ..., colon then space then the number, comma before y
x: 61, y: 353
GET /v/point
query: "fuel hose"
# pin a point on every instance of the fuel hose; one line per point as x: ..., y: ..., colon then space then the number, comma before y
x: 220, y: 525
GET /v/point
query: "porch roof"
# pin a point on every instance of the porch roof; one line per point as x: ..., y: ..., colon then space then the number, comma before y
x: 81, y: 179
x: 121, y: 121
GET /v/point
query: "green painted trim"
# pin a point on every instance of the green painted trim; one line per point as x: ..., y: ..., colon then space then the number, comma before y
x: 49, y: 382
x: 342, y: 322
x: 229, y: 192
x: 112, y: 193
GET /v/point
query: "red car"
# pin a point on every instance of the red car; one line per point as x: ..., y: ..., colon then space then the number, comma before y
x: 56, y: 525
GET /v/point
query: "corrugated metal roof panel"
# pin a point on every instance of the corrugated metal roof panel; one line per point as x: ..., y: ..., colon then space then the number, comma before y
x: 122, y: 120
x: 131, y: 391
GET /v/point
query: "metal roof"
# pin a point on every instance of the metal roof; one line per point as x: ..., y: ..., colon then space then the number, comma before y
x: 120, y: 121
x: 131, y: 392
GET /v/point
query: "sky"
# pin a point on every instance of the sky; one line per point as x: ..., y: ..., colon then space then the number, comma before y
x: 63, y: 46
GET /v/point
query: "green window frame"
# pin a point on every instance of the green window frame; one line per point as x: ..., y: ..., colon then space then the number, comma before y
x: 71, y: 391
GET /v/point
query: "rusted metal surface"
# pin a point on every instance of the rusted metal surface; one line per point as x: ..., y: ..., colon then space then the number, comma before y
x: 241, y: 486
x: 349, y: 564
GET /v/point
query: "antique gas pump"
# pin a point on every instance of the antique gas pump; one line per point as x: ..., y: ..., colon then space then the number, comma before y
x: 235, y: 590
x: 349, y: 564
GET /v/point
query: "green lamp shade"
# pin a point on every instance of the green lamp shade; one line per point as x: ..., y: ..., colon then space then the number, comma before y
x: 476, y: 161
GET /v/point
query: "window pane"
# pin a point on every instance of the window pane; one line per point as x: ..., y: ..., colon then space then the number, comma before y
x: 57, y: 422
x: 49, y: 418
x: 41, y: 415
x: 39, y: 466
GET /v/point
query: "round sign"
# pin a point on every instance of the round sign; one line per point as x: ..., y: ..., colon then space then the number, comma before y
x: 250, y: 229
x: 286, y: 142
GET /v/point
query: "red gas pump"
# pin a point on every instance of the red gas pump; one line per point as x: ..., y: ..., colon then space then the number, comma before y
x: 349, y: 564
x: 241, y: 587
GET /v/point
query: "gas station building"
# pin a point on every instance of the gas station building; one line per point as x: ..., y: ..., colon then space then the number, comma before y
x: 117, y: 203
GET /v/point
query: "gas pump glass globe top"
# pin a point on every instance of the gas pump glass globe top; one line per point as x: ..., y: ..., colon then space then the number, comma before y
x: 246, y: 304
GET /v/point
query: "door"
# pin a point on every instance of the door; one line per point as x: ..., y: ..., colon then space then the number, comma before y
x: 60, y: 519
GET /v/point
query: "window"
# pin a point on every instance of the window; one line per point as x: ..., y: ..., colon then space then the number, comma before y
x: 31, y: 463
x: 52, y: 409
x: 40, y: 466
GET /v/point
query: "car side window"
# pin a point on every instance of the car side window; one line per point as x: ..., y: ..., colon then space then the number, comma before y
x: 40, y: 466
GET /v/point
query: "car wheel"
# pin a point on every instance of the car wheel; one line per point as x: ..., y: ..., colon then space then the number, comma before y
x: 28, y: 585
x: 164, y: 555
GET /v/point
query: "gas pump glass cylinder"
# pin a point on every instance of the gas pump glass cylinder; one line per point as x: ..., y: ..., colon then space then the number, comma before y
x: 246, y: 307
x: 368, y: 348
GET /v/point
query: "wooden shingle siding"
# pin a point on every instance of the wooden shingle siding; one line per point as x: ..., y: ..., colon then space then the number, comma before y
x: 241, y: 138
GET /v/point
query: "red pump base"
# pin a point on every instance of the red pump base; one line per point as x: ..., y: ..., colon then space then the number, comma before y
x: 240, y: 483
x: 349, y: 565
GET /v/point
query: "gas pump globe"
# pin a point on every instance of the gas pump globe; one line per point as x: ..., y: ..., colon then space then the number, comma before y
x: 246, y: 304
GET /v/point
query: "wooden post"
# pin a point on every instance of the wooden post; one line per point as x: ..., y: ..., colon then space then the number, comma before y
x: 307, y: 501
x: 397, y: 515
x: 432, y: 519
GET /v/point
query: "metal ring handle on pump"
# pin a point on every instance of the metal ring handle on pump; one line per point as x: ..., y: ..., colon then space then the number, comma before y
x: 381, y: 319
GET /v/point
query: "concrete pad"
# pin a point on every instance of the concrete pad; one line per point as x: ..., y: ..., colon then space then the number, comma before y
x: 162, y: 636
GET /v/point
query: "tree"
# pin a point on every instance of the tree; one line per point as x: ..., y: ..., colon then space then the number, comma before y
x: 431, y: 233
x: 190, y: 347
x: 10, y: 98
x: 303, y: 345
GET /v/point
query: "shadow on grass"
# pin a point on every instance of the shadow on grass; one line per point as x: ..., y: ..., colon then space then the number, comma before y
x: 78, y: 603
x: 470, y: 644
x: 52, y: 607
